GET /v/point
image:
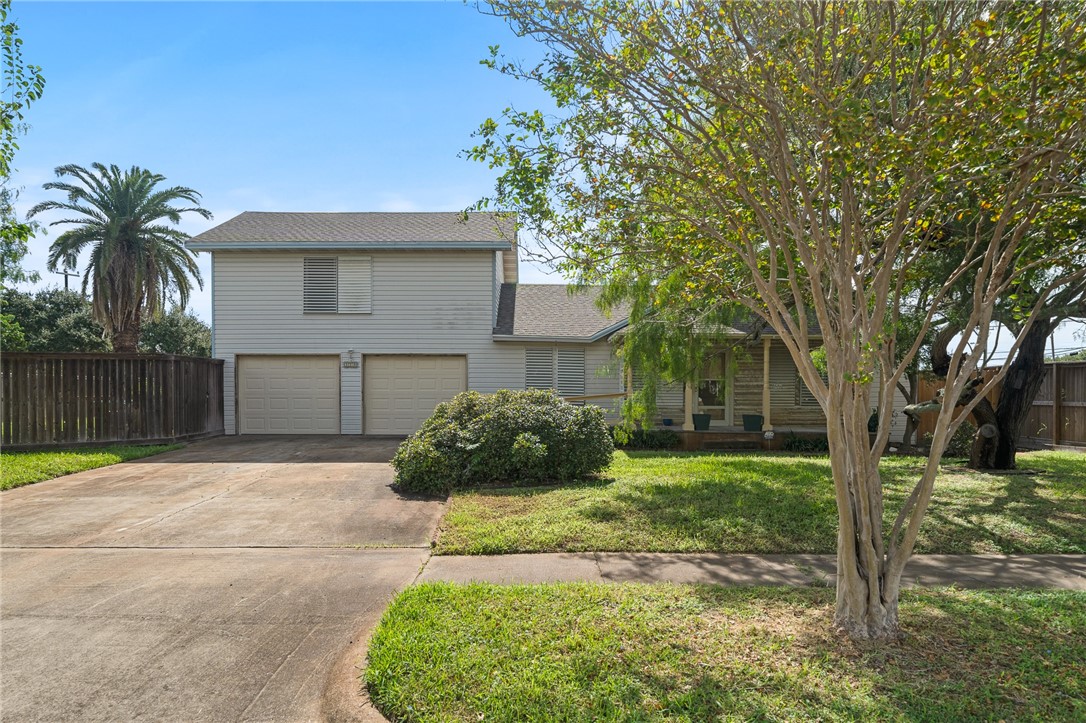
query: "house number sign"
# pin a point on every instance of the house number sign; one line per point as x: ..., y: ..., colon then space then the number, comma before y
x: 350, y: 365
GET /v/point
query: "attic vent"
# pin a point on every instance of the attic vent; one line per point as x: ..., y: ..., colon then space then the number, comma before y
x: 342, y: 284
x: 320, y: 284
x: 539, y: 368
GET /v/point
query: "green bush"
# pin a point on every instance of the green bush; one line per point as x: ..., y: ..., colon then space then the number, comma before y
x: 646, y: 438
x: 961, y: 443
x: 512, y: 437
x: 815, y: 445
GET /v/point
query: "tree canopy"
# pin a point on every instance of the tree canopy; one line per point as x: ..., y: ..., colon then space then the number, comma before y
x: 138, y: 261
x: 23, y: 84
x: 801, y: 162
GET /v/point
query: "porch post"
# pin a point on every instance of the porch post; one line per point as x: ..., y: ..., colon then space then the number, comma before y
x: 688, y: 407
x: 767, y: 425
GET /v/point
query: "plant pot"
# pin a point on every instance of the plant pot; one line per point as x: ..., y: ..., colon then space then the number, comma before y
x: 752, y: 422
x: 668, y: 421
x: 701, y: 422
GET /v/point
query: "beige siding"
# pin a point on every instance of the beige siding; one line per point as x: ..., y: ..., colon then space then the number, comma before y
x: 422, y: 303
x: 509, y: 264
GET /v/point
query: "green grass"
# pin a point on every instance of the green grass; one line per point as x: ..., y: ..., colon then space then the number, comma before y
x: 696, y: 502
x: 574, y: 652
x: 23, y: 468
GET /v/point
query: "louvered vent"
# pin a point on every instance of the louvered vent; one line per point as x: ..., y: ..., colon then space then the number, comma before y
x: 355, y: 284
x: 571, y: 373
x: 319, y: 284
x: 539, y: 369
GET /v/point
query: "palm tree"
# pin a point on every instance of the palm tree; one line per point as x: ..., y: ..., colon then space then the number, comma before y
x: 137, y: 261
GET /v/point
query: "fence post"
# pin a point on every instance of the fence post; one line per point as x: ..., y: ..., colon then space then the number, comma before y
x: 1057, y: 404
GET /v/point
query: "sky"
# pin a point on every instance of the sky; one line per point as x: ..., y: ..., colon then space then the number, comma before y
x: 343, y: 106
x: 268, y: 106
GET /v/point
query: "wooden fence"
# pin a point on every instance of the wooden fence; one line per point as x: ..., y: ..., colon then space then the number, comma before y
x: 69, y: 399
x: 1055, y: 420
x: 1060, y: 418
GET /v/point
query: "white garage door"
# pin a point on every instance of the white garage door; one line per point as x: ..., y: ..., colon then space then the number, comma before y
x: 288, y: 394
x: 400, y: 392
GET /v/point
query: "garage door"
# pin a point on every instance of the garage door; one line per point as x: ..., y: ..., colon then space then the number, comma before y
x: 288, y: 394
x: 400, y: 392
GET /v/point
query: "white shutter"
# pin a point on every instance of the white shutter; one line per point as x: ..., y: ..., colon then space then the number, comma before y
x: 319, y: 282
x: 571, y: 373
x: 355, y: 284
x: 539, y: 368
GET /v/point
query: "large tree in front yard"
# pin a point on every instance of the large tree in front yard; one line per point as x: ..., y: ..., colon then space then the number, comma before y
x: 137, y: 259
x: 797, y: 160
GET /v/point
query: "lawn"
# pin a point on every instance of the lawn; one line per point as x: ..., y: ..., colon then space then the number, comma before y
x: 689, y: 653
x: 23, y: 468
x: 697, y: 502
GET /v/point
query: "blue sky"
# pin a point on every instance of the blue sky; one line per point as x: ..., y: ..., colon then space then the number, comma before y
x: 346, y: 106
x: 269, y: 106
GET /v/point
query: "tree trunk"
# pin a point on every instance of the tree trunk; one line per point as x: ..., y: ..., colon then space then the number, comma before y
x: 908, y: 443
x: 125, y: 339
x: 995, y: 446
x: 867, y: 600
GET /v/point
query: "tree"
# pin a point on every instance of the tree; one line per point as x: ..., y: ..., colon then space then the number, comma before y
x: 137, y: 261
x: 23, y: 84
x: 796, y: 160
x: 1001, y: 415
x: 51, y: 320
x: 177, y: 332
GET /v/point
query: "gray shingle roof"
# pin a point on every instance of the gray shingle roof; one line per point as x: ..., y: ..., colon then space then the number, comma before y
x: 553, y: 311
x: 258, y: 229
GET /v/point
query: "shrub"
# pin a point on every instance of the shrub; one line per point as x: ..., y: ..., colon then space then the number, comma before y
x: 961, y: 442
x: 793, y: 443
x: 646, y: 438
x: 512, y: 437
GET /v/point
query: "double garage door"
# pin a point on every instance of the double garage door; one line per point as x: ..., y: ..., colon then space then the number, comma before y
x: 301, y: 394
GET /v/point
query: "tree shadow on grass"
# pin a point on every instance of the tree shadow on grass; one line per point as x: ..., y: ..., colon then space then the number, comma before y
x: 741, y: 505
x: 964, y: 654
x: 1018, y: 519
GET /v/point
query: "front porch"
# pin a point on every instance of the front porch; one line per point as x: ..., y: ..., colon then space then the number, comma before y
x: 736, y: 439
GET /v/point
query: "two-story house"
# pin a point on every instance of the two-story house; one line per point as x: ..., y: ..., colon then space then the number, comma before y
x: 362, y: 323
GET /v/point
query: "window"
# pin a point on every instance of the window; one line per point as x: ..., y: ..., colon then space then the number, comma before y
x: 804, y: 398
x: 712, y: 392
x: 561, y: 369
x: 337, y: 284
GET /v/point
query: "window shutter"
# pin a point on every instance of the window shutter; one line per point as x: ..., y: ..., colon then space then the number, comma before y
x: 319, y: 284
x: 355, y: 284
x: 538, y: 368
x: 571, y: 373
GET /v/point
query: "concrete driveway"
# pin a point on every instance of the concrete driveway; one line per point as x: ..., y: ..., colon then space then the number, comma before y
x: 234, y: 579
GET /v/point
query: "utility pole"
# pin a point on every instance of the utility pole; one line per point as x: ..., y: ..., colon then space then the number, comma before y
x: 66, y: 273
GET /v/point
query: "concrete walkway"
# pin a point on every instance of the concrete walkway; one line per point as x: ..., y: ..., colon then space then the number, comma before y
x: 1067, y: 572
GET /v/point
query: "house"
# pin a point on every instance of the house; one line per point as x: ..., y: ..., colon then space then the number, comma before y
x: 361, y: 323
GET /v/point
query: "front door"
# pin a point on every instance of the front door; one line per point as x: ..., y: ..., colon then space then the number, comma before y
x: 715, y: 390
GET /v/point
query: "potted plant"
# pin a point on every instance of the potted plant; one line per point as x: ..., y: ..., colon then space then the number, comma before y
x: 753, y: 422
